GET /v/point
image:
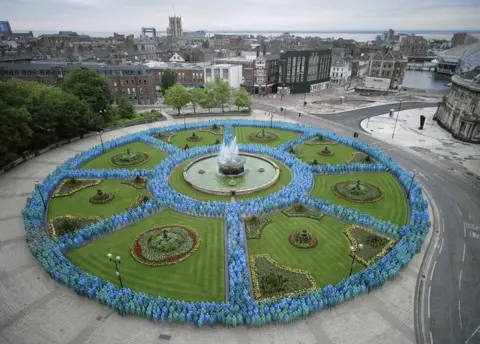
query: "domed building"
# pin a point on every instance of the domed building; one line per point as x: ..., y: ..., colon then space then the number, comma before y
x: 459, y: 111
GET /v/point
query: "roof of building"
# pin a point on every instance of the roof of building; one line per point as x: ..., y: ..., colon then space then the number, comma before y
x: 470, y: 79
x: 338, y: 61
x: 455, y: 54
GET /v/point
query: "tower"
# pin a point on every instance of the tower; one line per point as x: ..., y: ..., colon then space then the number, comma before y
x: 175, y: 27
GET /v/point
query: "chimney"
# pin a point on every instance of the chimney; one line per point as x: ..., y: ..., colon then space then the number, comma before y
x: 258, y: 51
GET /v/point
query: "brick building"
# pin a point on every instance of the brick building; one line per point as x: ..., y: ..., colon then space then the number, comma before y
x: 188, y: 74
x: 414, y: 46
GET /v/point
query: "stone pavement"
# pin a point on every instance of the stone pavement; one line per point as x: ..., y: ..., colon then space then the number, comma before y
x: 36, y: 310
x: 431, y: 140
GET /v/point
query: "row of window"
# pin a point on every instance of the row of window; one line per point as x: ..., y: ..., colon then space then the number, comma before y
x: 121, y: 72
x: 132, y: 82
x: 25, y: 72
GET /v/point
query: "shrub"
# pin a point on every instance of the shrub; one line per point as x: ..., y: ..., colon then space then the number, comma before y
x: 215, y: 126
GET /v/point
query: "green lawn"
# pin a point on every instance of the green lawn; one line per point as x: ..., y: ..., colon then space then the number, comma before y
x: 199, y: 278
x: 393, y: 205
x: 102, y: 161
x: 178, y: 183
x: 342, y: 153
x: 180, y: 138
x: 78, y: 204
x: 328, y: 262
x: 284, y: 135
x: 137, y: 117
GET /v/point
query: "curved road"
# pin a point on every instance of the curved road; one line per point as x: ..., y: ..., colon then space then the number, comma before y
x: 448, y: 298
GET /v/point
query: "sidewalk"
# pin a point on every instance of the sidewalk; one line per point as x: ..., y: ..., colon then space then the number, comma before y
x: 432, y: 138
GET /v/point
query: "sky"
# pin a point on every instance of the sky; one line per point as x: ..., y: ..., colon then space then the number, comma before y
x: 131, y: 15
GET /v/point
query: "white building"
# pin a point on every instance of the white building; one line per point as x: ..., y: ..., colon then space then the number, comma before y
x: 340, y: 71
x: 232, y: 73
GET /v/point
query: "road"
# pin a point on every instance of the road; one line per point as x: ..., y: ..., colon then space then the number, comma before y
x: 448, y: 302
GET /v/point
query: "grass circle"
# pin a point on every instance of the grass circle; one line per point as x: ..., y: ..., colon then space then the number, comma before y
x: 165, y: 245
x: 357, y: 191
x: 132, y: 159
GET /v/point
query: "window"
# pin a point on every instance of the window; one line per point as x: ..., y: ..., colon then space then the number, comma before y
x: 209, y: 72
x: 126, y: 81
x: 217, y: 73
x: 225, y: 73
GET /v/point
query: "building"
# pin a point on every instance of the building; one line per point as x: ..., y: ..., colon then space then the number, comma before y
x: 414, y: 46
x: 44, y: 72
x: 359, y: 67
x: 188, y: 74
x: 352, y: 50
x: 5, y: 28
x: 266, y: 73
x: 386, y: 71
x: 458, y: 39
x: 390, y: 35
x: 61, y: 38
x: 175, y: 27
x: 248, y: 67
x: 304, y: 71
x: 340, y: 71
x: 231, y: 73
x: 449, y: 61
x: 459, y: 112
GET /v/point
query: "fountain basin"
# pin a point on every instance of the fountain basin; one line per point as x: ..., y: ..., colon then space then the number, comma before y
x: 212, y: 181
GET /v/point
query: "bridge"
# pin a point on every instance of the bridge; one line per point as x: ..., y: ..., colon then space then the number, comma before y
x: 419, y: 59
x: 427, y: 66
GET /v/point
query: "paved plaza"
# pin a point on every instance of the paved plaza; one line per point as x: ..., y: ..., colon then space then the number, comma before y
x: 36, y: 310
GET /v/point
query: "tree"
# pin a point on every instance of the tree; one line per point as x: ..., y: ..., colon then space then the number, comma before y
x: 222, y: 92
x: 169, y: 78
x: 242, y: 99
x: 196, y: 95
x: 177, y: 97
x: 208, y: 100
x: 125, y: 108
x: 91, y: 88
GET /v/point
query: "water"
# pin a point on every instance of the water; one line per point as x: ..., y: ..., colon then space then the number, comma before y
x: 211, y: 179
x: 424, y: 80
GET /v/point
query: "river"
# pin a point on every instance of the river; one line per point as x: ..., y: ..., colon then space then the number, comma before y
x: 428, y: 81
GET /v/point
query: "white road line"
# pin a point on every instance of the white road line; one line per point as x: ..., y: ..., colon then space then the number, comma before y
x: 463, y: 256
x: 460, y: 315
x: 468, y: 340
x: 459, y: 211
x: 464, y: 231
x: 431, y: 338
x: 433, y: 270
x: 443, y: 226
x: 467, y: 196
x: 441, y: 246
x: 460, y: 280
x: 423, y: 176
x: 428, y: 302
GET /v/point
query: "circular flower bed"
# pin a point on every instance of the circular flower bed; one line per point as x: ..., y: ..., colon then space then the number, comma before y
x: 357, y: 191
x: 326, y: 152
x: 101, y: 197
x: 262, y: 136
x: 303, y: 239
x: 194, y: 138
x: 165, y: 245
x: 129, y: 159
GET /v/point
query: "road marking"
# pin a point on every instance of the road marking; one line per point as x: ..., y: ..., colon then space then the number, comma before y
x: 459, y: 211
x: 464, y: 231
x: 460, y: 280
x: 441, y: 246
x: 428, y: 303
x: 431, y: 338
x: 433, y: 270
x: 423, y: 176
x: 467, y: 196
x: 443, y: 226
x: 478, y: 328
x: 463, y: 256
x: 460, y: 315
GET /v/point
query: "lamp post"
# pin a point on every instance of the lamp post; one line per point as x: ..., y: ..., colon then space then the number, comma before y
x: 117, y: 263
x: 396, y: 120
x: 185, y: 121
x: 100, y: 133
x: 352, y: 251
x: 37, y: 186
x: 411, y: 183
x: 271, y: 119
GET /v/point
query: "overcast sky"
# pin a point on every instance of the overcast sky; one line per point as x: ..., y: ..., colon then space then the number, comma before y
x: 131, y: 15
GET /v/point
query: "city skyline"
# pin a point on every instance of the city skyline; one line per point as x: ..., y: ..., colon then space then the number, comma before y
x: 88, y: 15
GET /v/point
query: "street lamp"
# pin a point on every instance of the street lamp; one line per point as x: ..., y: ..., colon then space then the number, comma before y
x: 37, y: 186
x: 117, y: 263
x: 100, y: 133
x: 411, y: 183
x: 352, y: 251
x: 396, y: 120
x: 271, y: 119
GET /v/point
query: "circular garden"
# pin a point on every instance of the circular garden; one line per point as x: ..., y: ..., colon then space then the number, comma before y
x: 184, y: 252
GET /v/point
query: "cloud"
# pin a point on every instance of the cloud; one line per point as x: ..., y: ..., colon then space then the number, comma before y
x: 130, y: 16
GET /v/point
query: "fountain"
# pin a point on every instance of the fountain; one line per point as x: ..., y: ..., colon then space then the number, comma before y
x: 230, y: 162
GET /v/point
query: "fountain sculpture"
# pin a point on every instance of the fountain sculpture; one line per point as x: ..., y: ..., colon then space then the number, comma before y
x: 230, y: 162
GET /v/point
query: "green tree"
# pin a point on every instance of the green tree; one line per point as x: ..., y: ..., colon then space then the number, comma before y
x: 177, y: 97
x: 125, y: 108
x: 196, y: 95
x: 242, y: 99
x: 222, y: 92
x: 91, y: 88
x: 169, y: 78
x: 208, y: 100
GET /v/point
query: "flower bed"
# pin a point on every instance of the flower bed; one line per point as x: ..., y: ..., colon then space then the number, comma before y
x: 262, y: 136
x: 165, y: 245
x: 320, y: 141
x: 140, y: 200
x: 101, y: 197
x: 375, y: 245
x: 129, y: 159
x: 326, y: 152
x: 70, y: 186
x: 287, y: 282
x: 216, y: 130
x: 358, y: 192
x: 166, y: 137
x: 67, y: 224
x: 194, y: 138
x: 303, y: 239
x: 360, y: 157
x: 137, y: 183
x: 299, y: 210
x: 255, y: 224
